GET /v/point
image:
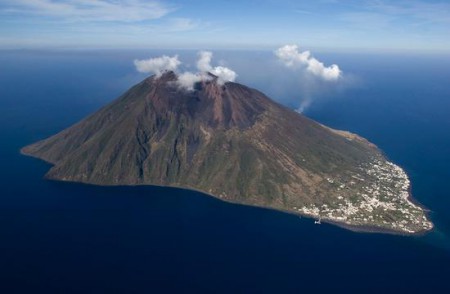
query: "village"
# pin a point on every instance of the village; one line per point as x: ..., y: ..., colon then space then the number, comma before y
x: 382, y: 203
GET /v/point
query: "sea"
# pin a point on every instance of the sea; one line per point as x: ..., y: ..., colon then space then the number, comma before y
x: 72, y: 238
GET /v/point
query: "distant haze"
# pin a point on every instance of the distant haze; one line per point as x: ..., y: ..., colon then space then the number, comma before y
x: 377, y: 25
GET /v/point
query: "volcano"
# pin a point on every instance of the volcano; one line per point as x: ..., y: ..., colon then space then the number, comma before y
x: 233, y: 142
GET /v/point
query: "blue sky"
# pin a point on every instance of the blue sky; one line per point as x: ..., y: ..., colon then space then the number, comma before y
x: 329, y: 24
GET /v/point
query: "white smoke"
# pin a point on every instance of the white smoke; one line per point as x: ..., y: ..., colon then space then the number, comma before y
x: 187, y: 79
x: 157, y: 65
x: 204, y: 61
x: 224, y: 74
x: 303, y: 105
x: 291, y: 57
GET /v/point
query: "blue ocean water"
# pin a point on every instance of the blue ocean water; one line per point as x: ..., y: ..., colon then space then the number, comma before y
x: 71, y: 238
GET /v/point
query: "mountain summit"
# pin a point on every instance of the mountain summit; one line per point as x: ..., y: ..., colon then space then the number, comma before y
x: 234, y: 143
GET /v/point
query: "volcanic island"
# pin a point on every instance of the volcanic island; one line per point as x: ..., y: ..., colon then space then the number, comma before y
x: 234, y: 143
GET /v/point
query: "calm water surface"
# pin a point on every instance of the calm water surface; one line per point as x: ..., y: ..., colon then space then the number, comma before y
x: 71, y: 238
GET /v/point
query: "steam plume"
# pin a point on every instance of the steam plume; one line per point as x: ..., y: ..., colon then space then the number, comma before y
x: 187, y: 79
x: 291, y: 57
x: 157, y: 65
x: 224, y: 74
x: 204, y: 61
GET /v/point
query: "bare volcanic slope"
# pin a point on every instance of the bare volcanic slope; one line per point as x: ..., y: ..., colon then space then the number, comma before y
x: 233, y: 142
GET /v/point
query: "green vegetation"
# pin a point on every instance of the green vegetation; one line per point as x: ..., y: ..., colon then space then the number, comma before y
x: 236, y: 144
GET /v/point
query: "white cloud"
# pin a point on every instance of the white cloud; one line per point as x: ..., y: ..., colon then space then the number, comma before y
x: 92, y: 10
x: 291, y: 57
x: 329, y: 73
x: 157, y: 65
x: 180, y: 24
x: 188, y: 79
x: 224, y: 74
x: 204, y: 61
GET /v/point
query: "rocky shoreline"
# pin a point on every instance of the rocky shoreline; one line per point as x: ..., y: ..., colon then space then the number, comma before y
x: 389, y: 197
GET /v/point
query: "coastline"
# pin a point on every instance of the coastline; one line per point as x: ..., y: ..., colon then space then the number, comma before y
x: 351, y: 227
